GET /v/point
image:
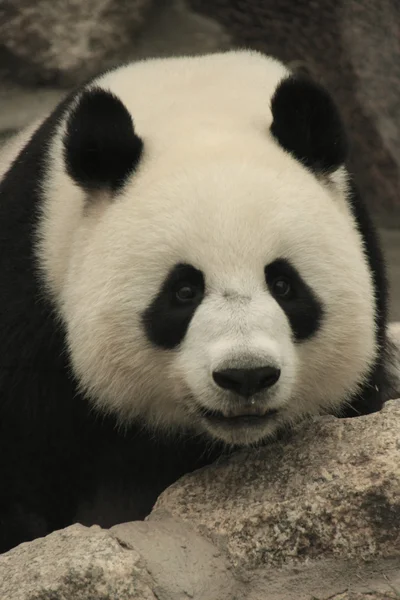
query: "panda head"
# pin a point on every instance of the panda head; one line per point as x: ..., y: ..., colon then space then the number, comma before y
x: 201, y: 250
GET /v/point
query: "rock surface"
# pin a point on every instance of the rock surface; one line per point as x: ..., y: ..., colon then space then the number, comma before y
x: 331, y: 490
x: 163, y: 560
x: 51, y: 41
x: 364, y: 596
x: 77, y: 563
x: 182, y: 563
x: 58, y: 43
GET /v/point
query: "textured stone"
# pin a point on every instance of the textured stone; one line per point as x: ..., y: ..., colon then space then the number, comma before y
x: 353, y: 47
x: 21, y: 107
x: 53, y: 41
x: 62, y: 43
x: 174, y: 30
x: 181, y: 563
x: 390, y: 239
x: 363, y: 596
x: 332, y: 490
x: 161, y: 560
x: 76, y: 563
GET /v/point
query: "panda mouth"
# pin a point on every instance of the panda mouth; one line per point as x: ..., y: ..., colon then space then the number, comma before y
x: 247, y: 417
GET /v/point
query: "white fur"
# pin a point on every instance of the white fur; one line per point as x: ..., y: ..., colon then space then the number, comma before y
x: 216, y: 191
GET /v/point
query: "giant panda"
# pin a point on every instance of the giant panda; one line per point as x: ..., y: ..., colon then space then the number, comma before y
x: 186, y: 268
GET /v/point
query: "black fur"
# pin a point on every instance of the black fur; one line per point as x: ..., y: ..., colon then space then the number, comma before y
x: 59, y: 462
x: 303, y: 309
x: 101, y: 146
x: 167, y: 320
x: 375, y: 392
x: 307, y: 124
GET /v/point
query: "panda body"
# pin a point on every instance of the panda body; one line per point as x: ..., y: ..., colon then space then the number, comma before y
x: 186, y: 268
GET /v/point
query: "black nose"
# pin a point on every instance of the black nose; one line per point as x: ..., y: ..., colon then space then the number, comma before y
x: 247, y: 382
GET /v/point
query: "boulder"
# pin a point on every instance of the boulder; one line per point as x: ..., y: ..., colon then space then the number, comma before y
x: 58, y: 43
x: 53, y: 41
x: 164, y: 560
x: 314, y: 514
x: 81, y: 563
x: 331, y: 490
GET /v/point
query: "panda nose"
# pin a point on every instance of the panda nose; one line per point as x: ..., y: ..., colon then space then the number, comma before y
x: 247, y: 382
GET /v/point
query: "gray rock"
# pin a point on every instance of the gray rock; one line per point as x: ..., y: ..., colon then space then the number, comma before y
x: 174, y: 30
x: 182, y: 563
x: 53, y: 41
x: 58, y: 43
x: 78, y: 563
x: 20, y: 107
x: 162, y: 560
x: 363, y: 596
x: 331, y: 490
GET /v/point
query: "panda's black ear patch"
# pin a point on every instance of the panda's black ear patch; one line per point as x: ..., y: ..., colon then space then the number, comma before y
x: 101, y: 148
x: 307, y: 124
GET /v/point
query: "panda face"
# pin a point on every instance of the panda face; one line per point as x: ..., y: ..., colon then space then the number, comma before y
x: 211, y: 277
x: 222, y: 303
x: 236, y: 354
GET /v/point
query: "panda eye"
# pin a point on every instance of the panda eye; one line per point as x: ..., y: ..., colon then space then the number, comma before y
x: 186, y: 293
x: 281, y: 288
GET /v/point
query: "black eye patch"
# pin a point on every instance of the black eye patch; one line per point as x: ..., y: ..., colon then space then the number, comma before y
x: 167, y: 318
x: 300, y: 304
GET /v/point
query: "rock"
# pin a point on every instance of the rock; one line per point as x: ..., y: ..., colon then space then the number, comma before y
x: 162, y: 560
x: 364, y: 596
x: 53, y: 41
x: 332, y: 490
x: 174, y: 30
x: 394, y: 337
x: 182, y: 563
x: 62, y: 44
x: 77, y: 563
x: 353, y: 47
x: 390, y: 239
x: 21, y: 107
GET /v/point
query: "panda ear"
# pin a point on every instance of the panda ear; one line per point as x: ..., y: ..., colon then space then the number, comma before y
x: 307, y: 124
x: 101, y: 148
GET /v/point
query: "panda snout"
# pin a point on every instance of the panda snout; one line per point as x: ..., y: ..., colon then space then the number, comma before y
x: 247, y: 382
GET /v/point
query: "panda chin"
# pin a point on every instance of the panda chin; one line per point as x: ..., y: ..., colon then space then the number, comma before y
x: 247, y: 427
